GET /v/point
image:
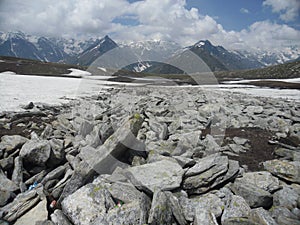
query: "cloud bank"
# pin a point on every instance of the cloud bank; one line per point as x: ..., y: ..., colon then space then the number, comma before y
x: 148, y: 19
x: 288, y: 9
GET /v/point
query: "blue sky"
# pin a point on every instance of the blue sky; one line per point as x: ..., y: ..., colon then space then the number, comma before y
x: 236, y: 24
x: 239, y: 14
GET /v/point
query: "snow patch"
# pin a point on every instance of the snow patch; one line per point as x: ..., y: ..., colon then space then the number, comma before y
x: 2, y: 61
x: 102, y: 68
x: 77, y: 72
x: 8, y: 73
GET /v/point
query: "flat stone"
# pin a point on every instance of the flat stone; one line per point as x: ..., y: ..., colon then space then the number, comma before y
x: 11, y: 142
x: 54, y: 174
x: 20, y: 205
x: 232, y: 172
x: 201, y: 176
x: 90, y: 200
x: 125, y: 192
x: 37, y: 214
x: 289, y: 171
x: 237, y: 149
x: 240, y: 141
x: 36, y: 152
x: 161, y: 175
x: 262, y: 179
x: 207, y: 163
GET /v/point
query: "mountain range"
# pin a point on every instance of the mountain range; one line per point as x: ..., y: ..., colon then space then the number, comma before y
x: 83, y: 53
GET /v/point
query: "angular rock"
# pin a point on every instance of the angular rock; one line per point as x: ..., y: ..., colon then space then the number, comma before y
x: 262, y: 216
x: 289, y: 171
x: 253, y: 195
x: 85, y: 128
x: 21, y: 204
x: 239, y: 221
x: 236, y: 148
x: 7, y: 163
x: 161, y: 129
x: 6, y: 184
x: 37, y: 214
x: 254, y: 110
x: 232, y: 172
x: 10, y: 143
x: 161, y: 175
x: 162, y: 147
x: 160, y: 212
x: 286, y: 197
x: 283, y: 216
x: 76, y: 181
x: 17, y: 176
x: 133, y: 213
x: 204, y: 216
x: 205, y: 171
x: 262, y: 179
x: 176, y: 208
x: 54, y: 174
x: 211, y: 146
x: 125, y: 192
x: 287, y: 154
x: 240, y: 141
x: 4, y: 197
x: 107, y: 157
x: 184, y: 162
x: 91, y: 201
x: 59, y: 218
x: 57, y: 154
x: 206, y: 163
x: 235, y: 208
x: 36, y: 152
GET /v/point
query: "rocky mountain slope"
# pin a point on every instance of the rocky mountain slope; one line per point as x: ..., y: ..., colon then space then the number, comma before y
x: 152, y: 155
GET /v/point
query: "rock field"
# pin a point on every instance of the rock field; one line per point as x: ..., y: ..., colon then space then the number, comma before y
x: 152, y: 155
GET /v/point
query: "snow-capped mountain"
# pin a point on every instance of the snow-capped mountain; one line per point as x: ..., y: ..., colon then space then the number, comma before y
x: 230, y: 59
x: 149, y: 53
x: 95, y: 50
x: 18, y: 44
x: 274, y: 57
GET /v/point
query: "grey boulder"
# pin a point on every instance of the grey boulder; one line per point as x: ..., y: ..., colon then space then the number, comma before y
x: 36, y: 152
x: 161, y: 175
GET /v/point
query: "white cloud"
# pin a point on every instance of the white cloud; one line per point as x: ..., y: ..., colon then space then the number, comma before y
x: 245, y: 11
x: 288, y: 9
x: 156, y: 19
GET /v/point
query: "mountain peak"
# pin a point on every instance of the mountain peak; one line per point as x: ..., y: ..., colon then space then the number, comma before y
x: 201, y: 43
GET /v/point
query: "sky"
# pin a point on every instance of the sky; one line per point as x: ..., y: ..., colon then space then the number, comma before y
x: 234, y: 24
